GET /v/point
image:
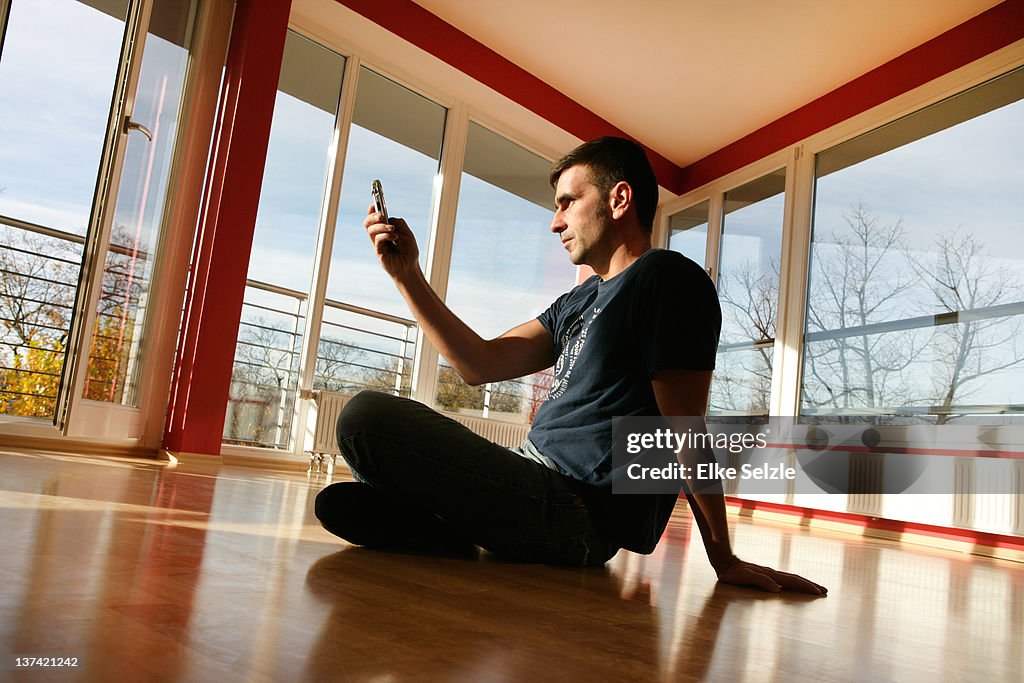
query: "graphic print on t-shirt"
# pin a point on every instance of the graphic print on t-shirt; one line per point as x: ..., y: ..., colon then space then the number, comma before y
x: 573, y: 339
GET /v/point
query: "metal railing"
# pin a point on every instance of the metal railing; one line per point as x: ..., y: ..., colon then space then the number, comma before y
x: 919, y: 322
x: 359, y: 348
x: 819, y: 344
x: 41, y: 269
x: 351, y: 355
x: 355, y: 352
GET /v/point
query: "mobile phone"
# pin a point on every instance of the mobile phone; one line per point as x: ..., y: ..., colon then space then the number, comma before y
x: 377, y: 190
x: 378, y: 199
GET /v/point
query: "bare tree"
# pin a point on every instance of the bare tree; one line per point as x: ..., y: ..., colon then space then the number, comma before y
x: 966, y: 282
x: 864, y: 274
x: 749, y: 297
x: 263, y: 382
x: 341, y: 367
x: 860, y: 275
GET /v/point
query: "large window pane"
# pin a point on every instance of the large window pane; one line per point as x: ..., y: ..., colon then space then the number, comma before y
x: 396, y: 137
x: 368, y: 339
x: 301, y: 136
x: 265, y: 373
x: 57, y: 74
x: 688, y: 232
x: 915, y: 304
x: 265, y: 376
x: 113, y: 373
x: 748, y: 287
x: 507, y: 266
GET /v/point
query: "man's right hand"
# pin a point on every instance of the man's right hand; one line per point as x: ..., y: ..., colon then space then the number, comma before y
x: 521, y: 351
x: 394, y: 243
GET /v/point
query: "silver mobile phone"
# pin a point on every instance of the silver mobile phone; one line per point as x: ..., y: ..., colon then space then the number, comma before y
x: 378, y: 199
x: 381, y: 206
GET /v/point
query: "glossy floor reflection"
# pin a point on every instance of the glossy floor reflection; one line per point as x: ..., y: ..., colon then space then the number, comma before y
x: 148, y: 573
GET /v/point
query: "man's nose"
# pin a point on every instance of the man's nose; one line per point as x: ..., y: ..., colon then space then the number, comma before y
x: 558, y: 223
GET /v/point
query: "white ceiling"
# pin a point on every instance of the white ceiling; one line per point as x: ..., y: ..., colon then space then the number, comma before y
x: 687, y: 77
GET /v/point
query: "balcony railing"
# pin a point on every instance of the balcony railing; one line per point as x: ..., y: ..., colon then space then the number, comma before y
x: 39, y: 268
x: 358, y: 349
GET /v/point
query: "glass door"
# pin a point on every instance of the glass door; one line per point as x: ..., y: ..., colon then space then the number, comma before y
x: 58, y: 69
x: 88, y: 124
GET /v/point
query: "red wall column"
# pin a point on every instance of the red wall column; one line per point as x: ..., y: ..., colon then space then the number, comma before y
x: 202, y: 372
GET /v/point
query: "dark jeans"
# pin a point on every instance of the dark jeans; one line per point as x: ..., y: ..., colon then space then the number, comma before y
x: 445, y: 479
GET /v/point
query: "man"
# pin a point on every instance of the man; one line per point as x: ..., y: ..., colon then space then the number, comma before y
x: 638, y: 338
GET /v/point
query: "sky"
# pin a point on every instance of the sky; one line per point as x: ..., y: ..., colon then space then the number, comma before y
x: 56, y: 87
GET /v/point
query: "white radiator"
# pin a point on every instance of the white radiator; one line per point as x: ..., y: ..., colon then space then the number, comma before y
x: 507, y: 434
x: 329, y: 405
x: 328, y: 408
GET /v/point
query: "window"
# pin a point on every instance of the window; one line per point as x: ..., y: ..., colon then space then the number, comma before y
x: 688, y: 232
x: 396, y: 137
x: 507, y: 267
x: 368, y: 337
x: 114, y: 369
x: 748, y: 288
x: 915, y: 305
x: 265, y: 375
x: 57, y: 74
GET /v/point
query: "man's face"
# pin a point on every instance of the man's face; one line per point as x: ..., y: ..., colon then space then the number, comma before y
x: 582, y: 216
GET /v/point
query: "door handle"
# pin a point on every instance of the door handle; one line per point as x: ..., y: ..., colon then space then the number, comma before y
x: 130, y: 125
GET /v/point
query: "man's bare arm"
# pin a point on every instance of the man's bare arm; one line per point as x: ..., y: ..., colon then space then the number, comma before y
x: 523, y: 350
x: 684, y: 393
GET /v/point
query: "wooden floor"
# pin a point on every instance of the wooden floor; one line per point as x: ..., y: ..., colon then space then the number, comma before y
x: 148, y: 573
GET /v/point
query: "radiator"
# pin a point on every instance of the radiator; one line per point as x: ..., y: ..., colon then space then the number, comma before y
x: 507, y: 434
x: 329, y: 405
x: 328, y: 408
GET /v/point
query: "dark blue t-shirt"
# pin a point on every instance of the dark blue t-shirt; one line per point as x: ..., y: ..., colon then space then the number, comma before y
x: 611, y: 337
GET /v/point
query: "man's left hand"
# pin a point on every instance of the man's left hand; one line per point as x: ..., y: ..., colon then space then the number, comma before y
x: 740, y: 573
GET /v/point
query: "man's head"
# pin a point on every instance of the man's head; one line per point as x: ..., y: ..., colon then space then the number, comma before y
x: 609, y: 161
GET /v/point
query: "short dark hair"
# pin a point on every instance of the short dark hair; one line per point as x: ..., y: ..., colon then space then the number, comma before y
x: 611, y: 160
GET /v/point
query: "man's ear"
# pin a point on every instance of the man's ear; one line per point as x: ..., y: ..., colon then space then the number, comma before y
x: 620, y: 198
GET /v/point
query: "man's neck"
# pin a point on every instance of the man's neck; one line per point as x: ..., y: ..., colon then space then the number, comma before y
x: 622, y: 258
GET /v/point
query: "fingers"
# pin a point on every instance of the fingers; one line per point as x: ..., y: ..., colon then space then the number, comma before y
x: 770, y: 580
x: 393, y: 241
x: 762, y: 581
x: 384, y: 242
x: 373, y: 218
x: 793, y: 582
x: 383, y: 235
x: 798, y: 584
